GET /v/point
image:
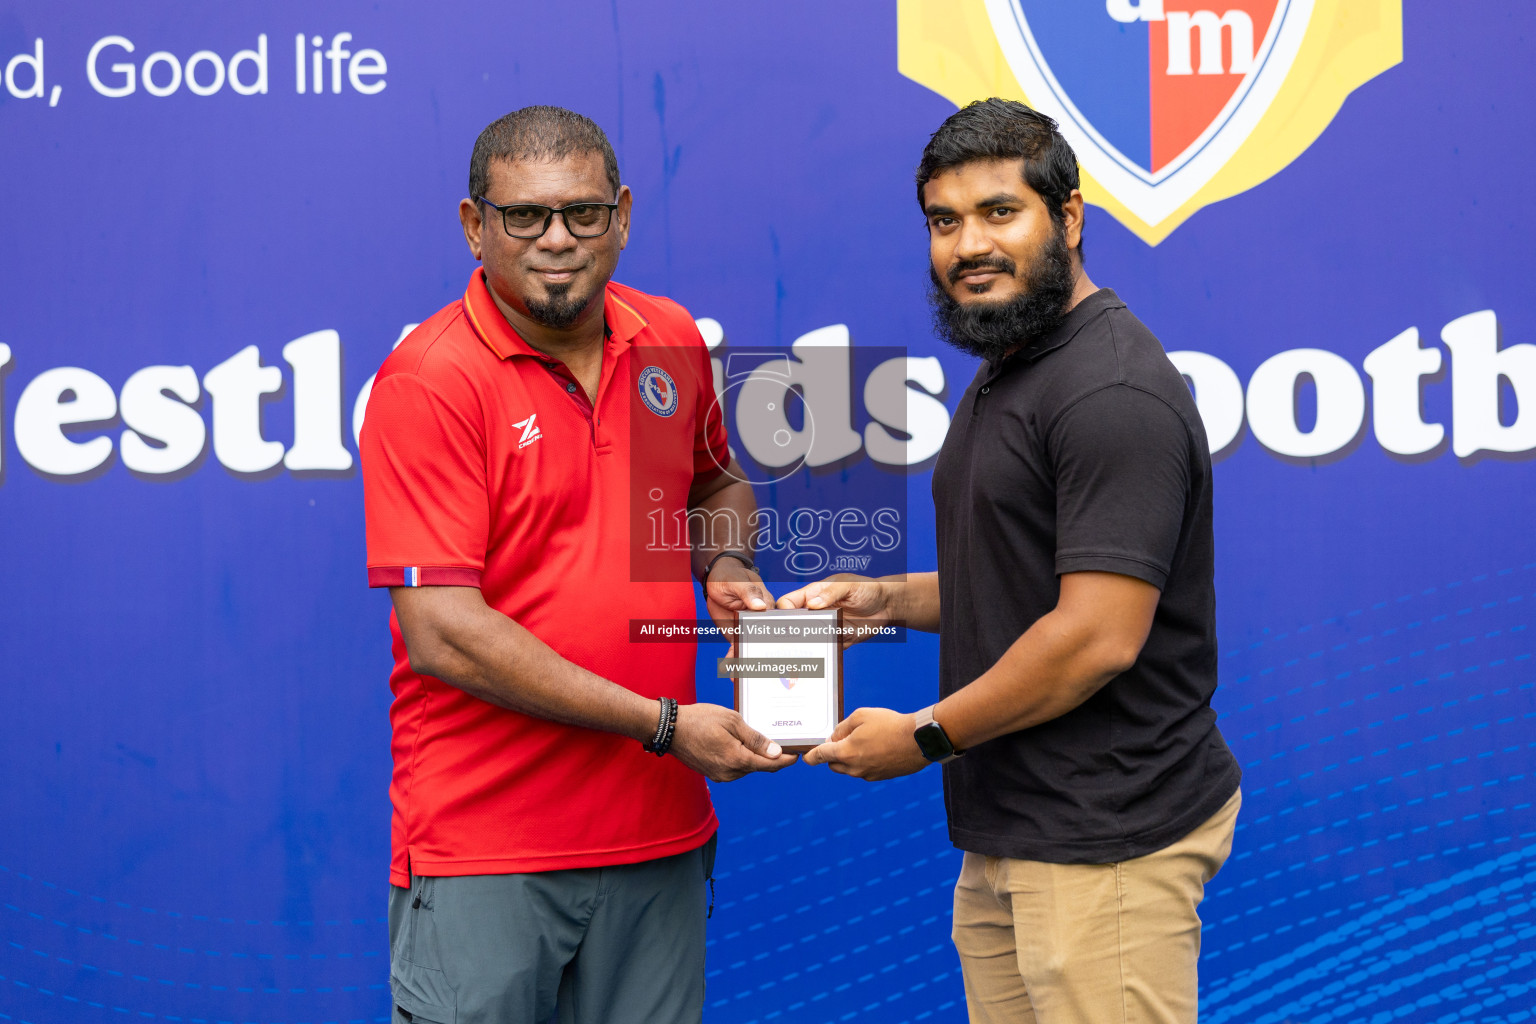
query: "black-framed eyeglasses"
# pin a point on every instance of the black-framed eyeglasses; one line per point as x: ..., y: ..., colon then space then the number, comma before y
x: 529, y: 220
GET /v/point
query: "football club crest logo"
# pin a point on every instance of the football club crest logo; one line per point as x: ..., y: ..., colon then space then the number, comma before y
x: 1170, y: 105
x: 658, y: 391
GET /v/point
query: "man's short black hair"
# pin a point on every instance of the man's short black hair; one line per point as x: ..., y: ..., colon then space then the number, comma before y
x: 539, y: 133
x: 999, y: 129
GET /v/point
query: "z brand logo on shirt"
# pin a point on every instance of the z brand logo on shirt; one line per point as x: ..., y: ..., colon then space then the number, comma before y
x: 658, y: 391
x: 1170, y: 105
x: 531, y: 431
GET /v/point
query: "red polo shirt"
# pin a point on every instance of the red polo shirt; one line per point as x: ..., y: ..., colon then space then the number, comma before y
x: 485, y: 465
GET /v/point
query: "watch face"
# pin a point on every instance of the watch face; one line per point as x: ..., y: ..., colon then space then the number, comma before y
x: 933, y: 743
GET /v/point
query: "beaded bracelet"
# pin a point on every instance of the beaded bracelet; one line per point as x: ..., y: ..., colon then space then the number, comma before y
x: 666, y: 728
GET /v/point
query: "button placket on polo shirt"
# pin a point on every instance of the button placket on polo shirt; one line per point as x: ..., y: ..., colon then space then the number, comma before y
x: 563, y: 376
x: 982, y: 393
x: 613, y: 357
x: 979, y: 400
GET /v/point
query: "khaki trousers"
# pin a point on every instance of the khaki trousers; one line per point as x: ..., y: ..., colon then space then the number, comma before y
x: 1088, y: 943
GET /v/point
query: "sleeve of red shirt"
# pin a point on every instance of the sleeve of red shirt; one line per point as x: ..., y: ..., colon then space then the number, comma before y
x: 711, y: 451
x: 424, y: 491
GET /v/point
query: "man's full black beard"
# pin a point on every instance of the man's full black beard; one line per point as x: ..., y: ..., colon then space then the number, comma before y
x: 990, y: 329
x: 559, y: 311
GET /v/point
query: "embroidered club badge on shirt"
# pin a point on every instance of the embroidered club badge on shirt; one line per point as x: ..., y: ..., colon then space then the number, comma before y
x: 658, y: 391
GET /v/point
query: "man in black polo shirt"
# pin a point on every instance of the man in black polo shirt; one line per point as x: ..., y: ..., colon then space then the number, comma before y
x: 1075, y: 606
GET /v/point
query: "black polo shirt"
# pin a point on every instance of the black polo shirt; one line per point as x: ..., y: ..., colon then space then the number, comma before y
x: 1082, y: 452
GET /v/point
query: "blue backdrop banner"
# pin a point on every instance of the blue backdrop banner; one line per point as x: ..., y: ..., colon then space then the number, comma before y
x: 219, y: 218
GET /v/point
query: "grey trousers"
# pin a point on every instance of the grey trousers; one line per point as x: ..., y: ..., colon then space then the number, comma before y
x: 612, y: 945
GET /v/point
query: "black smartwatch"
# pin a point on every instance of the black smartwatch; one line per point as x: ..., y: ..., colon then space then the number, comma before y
x: 931, y: 739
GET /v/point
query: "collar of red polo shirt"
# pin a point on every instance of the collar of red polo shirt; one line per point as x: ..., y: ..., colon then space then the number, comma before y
x: 622, y: 320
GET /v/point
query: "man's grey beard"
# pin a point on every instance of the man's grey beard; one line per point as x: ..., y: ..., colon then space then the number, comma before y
x: 559, y: 311
x: 990, y: 329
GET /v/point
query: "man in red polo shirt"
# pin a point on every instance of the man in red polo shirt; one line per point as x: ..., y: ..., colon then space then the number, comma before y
x: 542, y: 855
